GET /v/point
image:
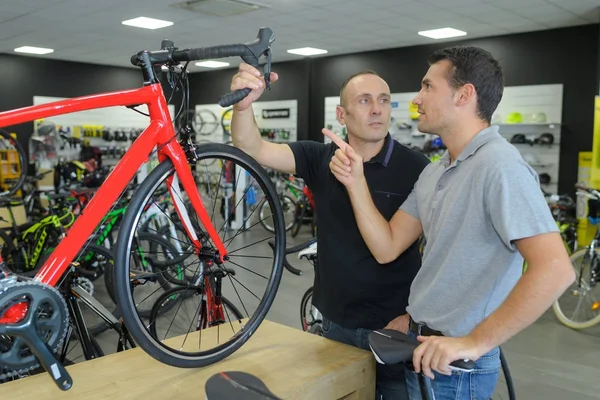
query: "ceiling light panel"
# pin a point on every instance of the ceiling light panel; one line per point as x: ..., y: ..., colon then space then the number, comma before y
x: 442, y: 33
x: 147, y: 23
x: 33, y: 50
x: 307, y: 51
x: 212, y: 64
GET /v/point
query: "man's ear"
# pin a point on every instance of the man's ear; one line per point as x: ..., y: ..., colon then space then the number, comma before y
x: 340, y: 114
x: 465, y: 95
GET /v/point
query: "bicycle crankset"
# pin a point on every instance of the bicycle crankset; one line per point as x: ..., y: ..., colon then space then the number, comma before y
x: 33, y: 324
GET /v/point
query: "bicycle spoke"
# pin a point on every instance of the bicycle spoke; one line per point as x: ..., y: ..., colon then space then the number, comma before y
x: 248, y: 256
x: 245, y: 247
x: 244, y: 268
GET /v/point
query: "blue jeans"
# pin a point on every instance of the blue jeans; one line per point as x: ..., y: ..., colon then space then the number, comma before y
x: 390, y: 379
x: 476, y: 385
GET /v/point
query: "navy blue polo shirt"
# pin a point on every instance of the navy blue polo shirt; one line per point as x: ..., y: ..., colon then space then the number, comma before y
x: 351, y: 288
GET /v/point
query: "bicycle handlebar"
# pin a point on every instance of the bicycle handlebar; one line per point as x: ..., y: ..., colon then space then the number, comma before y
x: 588, y: 190
x: 249, y: 52
x: 301, y: 246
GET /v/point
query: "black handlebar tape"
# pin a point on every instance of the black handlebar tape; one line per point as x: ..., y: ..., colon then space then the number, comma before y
x: 232, y: 98
x: 202, y: 53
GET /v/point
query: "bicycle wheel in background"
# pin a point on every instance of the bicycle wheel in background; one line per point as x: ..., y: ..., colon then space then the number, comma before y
x: 288, y: 207
x: 249, y: 278
x: 579, y: 306
x: 205, y: 122
x: 226, y: 121
x: 13, y: 162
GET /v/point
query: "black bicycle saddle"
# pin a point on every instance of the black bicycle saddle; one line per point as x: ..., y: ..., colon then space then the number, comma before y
x: 394, y: 347
x: 391, y: 346
x: 236, y: 385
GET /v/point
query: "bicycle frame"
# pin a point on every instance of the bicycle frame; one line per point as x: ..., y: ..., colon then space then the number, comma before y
x: 159, y: 133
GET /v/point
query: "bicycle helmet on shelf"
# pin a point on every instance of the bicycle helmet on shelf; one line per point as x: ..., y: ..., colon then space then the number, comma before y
x: 514, y: 118
x: 518, y: 138
x: 536, y: 118
x: 546, y: 138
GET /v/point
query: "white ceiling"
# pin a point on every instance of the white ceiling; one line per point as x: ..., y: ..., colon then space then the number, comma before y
x: 91, y: 30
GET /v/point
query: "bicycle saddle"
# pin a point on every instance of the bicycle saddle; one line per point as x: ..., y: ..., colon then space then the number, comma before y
x: 309, y: 251
x: 394, y: 347
x: 237, y: 385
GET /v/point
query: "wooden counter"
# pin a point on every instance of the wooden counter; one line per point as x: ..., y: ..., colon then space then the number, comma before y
x: 292, y: 363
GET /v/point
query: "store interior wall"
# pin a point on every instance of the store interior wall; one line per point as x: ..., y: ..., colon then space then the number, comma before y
x: 25, y: 77
x: 207, y: 88
x: 570, y: 56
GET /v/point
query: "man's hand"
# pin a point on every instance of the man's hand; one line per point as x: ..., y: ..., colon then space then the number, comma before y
x: 249, y: 77
x: 435, y: 353
x: 346, y: 165
x: 399, y: 323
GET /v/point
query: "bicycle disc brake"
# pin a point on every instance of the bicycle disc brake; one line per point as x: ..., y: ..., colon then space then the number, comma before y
x: 37, y: 334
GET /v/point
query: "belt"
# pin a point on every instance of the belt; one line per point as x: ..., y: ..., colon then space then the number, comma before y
x: 422, y: 329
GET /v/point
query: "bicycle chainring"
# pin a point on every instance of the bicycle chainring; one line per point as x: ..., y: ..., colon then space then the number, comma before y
x: 50, y: 317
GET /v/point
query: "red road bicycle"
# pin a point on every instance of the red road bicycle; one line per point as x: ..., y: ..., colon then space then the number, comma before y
x: 33, y: 316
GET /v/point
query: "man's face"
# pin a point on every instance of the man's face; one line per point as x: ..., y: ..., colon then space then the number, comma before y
x: 435, y: 99
x: 366, y: 109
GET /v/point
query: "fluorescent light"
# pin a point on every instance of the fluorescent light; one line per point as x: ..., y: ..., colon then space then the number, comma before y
x: 147, y: 23
x: 307, y: 51
x: 442, y: 33
x: 212, y: 64
x: 33, y: 50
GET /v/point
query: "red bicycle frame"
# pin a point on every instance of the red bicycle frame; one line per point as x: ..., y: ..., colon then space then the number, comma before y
x: 159, y: 133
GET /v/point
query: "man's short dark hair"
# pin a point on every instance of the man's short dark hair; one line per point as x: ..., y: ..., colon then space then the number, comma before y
x: 478, y: 67
x: 364, y: 72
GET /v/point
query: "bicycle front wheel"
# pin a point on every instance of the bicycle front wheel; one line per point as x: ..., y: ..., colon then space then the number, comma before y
x: 251, y: 260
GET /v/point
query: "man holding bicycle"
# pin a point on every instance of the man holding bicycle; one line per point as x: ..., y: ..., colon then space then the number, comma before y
x: 482, y: 212
x: 354, y: 293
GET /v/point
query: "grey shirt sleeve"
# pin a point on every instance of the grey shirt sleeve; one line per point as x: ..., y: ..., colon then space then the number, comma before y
x: 515, y: 203
x: 410, y: 205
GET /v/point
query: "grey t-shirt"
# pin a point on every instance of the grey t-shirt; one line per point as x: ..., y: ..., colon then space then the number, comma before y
x: 472, y: 211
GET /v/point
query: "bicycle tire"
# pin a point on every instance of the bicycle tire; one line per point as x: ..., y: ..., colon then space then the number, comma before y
x: 298, y: 220
x: 261, y: 212
x: 125, y: 301
x: 226, y: 116
x: 170, y: 293
x: 22, y: 159
x: 560, y: 315
x: 305, y: 299
x: 109, y: 277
